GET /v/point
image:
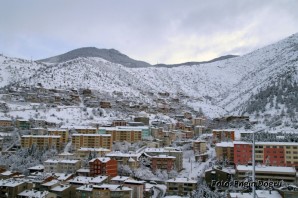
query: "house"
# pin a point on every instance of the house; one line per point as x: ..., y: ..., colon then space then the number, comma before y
x: 103, y: 166
x: 181, y: 186
x: 83, y: 153
x: 12, y: 187
x: 81, y: 180
x: 38, y: 168
x: 111, y: 190
x: 138, y: 187
x: 5, y: 122
x: 105, y: 104
x: 130, y: 159
x: 36, y: 194
x: 259, y: 194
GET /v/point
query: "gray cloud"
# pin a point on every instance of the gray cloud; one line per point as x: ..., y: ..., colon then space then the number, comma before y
x: 167, y: 31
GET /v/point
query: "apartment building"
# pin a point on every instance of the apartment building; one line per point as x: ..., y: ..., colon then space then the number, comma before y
x: 120, y: 134
x: 269, y: 153
x: 223, y: 135
x: 178, y: 165
x: 199, y: 121
x: 5, y: 122
x: 119, y: 123
x: 162, y: 162
x: 61, y: 132
x: 266, y: 173
x: 199, y: 146
x: 225, y: 151
x: 103, y: 166
x: 92, y: 141
x: 199, y: 130
x: 61, y: 166
x: 131, y: 159
x: 84, y: 129
x: 12, y: 187
x: 181, y: 186
x: 41, y: 141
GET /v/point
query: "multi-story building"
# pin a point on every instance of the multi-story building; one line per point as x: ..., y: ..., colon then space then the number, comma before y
x: 181, y: 186
x: 162, y: 162
x: 111, y: 190
x: 103, y: 166
x: 62, y: 166
x: 266, y: 173
x: 38, y: 131
x: 269, y: 153
x: 188, y: 134
x: 129, y: 134
x: 85, y: 152
x: 225, y: 151
x: 178, y: 165
x: 119, y: 123
x: 220, y: 174
x: 37, y: 123
x: 199, y: 121
x: 61, y: 132
x: 199, y: 130
x: 199, y: 146
x: 41, y: 141
x: 5, y: 122
x: 84, y: 129
x: 131, y: 159
x: 23, y: 124
x: 92, y: 141
x: 223, y: 135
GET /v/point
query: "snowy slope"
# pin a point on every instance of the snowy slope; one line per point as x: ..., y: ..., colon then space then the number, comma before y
x: 219, y: 88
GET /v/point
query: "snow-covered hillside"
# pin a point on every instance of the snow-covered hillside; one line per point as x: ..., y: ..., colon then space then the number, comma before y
x: 221, y: 87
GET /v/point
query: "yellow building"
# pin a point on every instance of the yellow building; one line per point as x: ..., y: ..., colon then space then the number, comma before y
x: 61, y: 132
x: 85, y: 129
x: 225, y: 151
x: 199, y: 146
x: 92, y: 141
x: 41, y: 141
x: 129, y: 135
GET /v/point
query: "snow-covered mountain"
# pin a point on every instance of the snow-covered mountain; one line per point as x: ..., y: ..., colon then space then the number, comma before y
x: 223, y: 87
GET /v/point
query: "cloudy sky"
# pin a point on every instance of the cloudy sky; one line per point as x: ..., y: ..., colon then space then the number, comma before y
x: 156, y: 31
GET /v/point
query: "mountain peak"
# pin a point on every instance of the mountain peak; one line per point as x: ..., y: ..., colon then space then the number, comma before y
x: 111, y: 55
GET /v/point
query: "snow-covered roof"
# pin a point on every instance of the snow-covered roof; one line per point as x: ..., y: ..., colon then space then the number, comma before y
x: 51, y: 183
x: 269, y: 143
x: 33, y: 193
x: 83, y: 170
x: 120, y: 154
x: 87, y: 180
x: 62, y: 176
x: 102, y: 159
x: 57, y: 129
x: 6, y: 173
x: 225, y: 144
x: 181, y: 180
x: 93, y: 149
x: 88, y: 188
x: 120, y: 178
x: 60, y: 188
x: 42, y: 136
x: 164, y: 156
x: 94, y: 135
x: 5, y: 119
x: 132, y: 181
x: 161, y: 150
x: 260, y: 194
x: 38, y: 167
x: 280, y: 169
x: 113, y: 187
x: 11, y: 182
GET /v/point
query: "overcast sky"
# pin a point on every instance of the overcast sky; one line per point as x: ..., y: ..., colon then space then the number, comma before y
x: 156, y: 31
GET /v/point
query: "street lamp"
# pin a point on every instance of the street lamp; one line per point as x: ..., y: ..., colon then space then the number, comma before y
x: 253, y: 155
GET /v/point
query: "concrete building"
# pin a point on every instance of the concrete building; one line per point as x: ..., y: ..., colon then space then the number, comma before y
x: 41, y: 141
x: 61, y: 132
x: 181, y: 186
x: 225, y: 151
x: 199, y: 146
x: 62, y: 166
x: 223, y: 135
x: 91, y: 141
x: 162, y: 162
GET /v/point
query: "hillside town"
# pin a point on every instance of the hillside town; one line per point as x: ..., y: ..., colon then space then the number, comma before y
x: 140, y: 156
